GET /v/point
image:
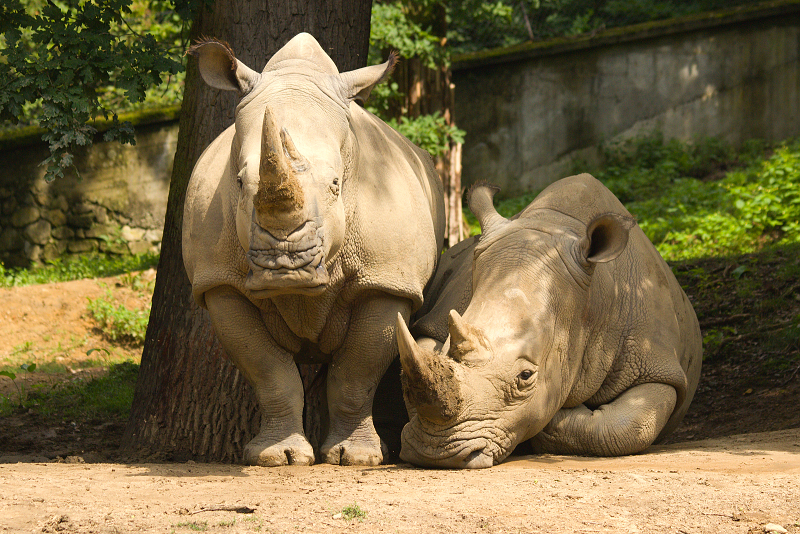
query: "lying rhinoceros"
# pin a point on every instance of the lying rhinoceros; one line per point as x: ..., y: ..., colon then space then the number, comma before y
x: 309, y: 224
x: 575, y: 335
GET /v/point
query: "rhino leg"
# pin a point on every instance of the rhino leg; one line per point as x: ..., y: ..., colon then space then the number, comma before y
x: 627, y: 425
x: 353, y: 377
x: 272, y: 373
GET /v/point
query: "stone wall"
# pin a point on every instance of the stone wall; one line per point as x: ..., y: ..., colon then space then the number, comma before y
x: 115, y: 202
x: 535, y: 112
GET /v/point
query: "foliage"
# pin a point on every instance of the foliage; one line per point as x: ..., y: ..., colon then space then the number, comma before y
x: 392, y: 27
x: 405, y: 27
x: 117, y: 321
x: 61, y: 56
x: 353, y: 511
x: 430, y: 132
x: 22, y: 394
x: 480, y: 24
x: 704, y: 199
x: 700, y: 199
x: 76, y: 268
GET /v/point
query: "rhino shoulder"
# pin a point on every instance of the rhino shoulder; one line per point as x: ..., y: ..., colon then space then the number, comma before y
x: 211, y: 254
x: 395, y: 210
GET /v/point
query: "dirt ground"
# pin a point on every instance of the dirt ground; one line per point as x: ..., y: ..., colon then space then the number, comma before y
x: 737, y: 484
x: 733, y: 466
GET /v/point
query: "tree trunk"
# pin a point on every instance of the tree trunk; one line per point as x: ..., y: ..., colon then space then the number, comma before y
x: 190, y: 401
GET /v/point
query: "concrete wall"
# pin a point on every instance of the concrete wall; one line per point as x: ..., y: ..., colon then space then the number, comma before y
x: 533, y: 111
x: 115, y: 203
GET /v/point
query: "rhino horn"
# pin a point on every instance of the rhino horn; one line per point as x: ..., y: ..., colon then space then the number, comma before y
x: 429, y: 383
x: 468, y: 345
x: 480, y: 199
x: 279, y: 190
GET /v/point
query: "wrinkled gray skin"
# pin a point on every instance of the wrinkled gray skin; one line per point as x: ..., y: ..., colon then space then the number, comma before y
x: 309, y: 225
x: 574, y: 335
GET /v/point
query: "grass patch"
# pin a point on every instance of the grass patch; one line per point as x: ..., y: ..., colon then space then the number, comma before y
x: 353, y: 511
x: 105, y: 398
x: 117, y: 321
x: 76, y: 268
x: 198, y: 526
x: 700, y: 199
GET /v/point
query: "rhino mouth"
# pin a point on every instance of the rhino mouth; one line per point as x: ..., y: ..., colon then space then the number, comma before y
x: 295, y: 264
x: 428, y: 450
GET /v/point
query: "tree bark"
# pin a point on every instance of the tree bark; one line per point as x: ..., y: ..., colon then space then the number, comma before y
x: 190, y: 401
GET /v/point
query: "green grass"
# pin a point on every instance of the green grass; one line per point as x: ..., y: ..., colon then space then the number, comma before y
x: 117, y: 321
x: 700, y: 199
x: 353, y: 511
x: 105, y: 398
x: 76, y: 268
x: 197, y: 526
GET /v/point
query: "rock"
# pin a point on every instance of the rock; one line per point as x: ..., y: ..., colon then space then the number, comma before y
x: 101, y: 214
x: 132, y: 234
x: 772, y: 527
x: 84, y: 245
x: 25, y: 216
x: 101, y: 231
x: 153, y: 236
x: 52, y: 251
x: 81, y: 220
x: 62, y: 232
x: 39, y: 232
x: 55, y: 216
x: 114, y: 248
x: 139, y: 247
x: 83, y: 207
x: 31, y: 251
x: 59, y: 203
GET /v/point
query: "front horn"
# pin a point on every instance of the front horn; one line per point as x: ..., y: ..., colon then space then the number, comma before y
x: 429, y: 383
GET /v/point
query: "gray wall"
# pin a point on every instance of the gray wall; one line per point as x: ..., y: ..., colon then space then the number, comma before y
x: 115, y: 203
x: 533, y: 112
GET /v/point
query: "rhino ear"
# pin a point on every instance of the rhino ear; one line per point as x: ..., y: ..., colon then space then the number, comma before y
x: 220, y: 68
x: 606, y: 237
x: 358, y: 83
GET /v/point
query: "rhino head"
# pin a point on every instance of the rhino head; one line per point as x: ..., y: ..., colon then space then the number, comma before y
x: 509, y: 363
x: 291, y: 157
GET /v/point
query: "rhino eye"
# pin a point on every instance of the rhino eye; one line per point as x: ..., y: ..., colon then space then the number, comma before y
x: 525, y: 377
x: 335, y: 186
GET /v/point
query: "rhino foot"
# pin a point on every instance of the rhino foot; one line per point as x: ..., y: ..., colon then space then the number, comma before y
x: 354, y: 451
x: 266, y: 452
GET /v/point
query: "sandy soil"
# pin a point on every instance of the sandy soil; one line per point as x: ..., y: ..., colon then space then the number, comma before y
x: 60, y: 480
x: 737, y: 484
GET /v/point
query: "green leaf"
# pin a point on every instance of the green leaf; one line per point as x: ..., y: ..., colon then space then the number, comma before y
x: 9, y: 374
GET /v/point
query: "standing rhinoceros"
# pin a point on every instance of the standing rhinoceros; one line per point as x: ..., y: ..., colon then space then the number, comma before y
x: 309, y: 224
x: 574, y: 333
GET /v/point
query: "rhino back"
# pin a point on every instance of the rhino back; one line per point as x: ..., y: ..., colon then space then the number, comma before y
x: 449, y: 289
x: 641, y: 327
x: 212, y: 255
x: 395, y: 213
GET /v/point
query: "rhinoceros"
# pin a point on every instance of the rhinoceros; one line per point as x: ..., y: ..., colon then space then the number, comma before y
x: 562, y: 325
x: 309, y: 224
